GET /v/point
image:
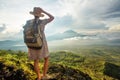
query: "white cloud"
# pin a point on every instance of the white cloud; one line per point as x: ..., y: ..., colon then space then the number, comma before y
x: 2, y: 27
x: 15, y: 13
x: 83, y: 38
x: 115, y: 28
x: 87, y: 15
x: 7, y: 35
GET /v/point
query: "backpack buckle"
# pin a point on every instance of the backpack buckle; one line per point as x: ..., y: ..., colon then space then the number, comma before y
x: 36, y: 35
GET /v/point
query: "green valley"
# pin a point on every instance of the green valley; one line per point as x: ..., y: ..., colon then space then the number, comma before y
x: 85, y: 63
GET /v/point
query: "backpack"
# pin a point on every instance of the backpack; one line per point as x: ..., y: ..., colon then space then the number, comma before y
x: 32, y: 34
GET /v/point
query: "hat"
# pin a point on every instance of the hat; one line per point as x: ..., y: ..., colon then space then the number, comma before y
x: 37, y: 12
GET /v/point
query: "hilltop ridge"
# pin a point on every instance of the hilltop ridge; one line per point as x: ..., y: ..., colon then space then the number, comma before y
x: 100, y: 63
x: 15, y: 66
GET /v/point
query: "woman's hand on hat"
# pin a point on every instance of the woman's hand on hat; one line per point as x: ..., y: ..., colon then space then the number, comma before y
x: 42, y: 10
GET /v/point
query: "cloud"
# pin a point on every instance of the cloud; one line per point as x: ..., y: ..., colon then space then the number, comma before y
x: 5, y: 34
x: 2, y: 27
x: 91, y: 14
x: 78, y: 15
x: 115, y: 28
x: 83, y: 38
x: 61, y: 23
x: 11, y: 36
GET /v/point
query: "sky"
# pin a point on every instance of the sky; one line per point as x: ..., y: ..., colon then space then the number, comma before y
x: 101, y: 17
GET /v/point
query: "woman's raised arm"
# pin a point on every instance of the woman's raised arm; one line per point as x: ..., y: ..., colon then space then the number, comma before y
x: 50, y: 16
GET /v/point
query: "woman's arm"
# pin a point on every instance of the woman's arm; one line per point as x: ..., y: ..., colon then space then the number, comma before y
x: 50, y: 16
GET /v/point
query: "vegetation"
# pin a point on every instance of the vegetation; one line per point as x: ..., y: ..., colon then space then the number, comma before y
x: 98, y: 63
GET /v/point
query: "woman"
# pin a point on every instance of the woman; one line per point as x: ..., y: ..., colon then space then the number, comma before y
x: 36, y: 54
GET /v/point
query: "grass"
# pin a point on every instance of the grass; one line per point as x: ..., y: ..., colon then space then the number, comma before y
x: 94, y: 61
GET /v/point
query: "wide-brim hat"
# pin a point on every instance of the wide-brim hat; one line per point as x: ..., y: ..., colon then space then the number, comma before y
x: 37, y: 12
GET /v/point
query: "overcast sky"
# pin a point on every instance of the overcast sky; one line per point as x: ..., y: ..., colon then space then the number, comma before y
x: 86, y: 16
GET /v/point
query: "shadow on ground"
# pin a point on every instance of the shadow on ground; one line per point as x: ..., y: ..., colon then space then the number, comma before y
x: 112, y: 70
x: 60, y: 72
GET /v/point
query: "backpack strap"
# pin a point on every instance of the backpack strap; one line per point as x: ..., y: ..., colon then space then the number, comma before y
x: 37, y: 31
x: 40, y: 31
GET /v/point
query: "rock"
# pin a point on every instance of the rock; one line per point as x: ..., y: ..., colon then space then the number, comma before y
x: 8, y: 73
x: 59, y: 72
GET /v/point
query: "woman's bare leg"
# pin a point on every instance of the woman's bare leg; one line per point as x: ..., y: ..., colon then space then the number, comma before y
x: 45, y: 69
x: 37, y: 69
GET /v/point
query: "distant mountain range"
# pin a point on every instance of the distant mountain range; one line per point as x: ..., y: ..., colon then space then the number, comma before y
x: 58, y: 36
x: 11, y: 44
x: 66, y: 34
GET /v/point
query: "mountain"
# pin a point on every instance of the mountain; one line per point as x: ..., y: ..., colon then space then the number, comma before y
x: 66, y: 34
x: 12, y: 44
x: 15, y: 66
x: 70, y: 32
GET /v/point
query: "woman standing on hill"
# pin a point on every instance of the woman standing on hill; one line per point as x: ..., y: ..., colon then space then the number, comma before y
x: 36, y: 54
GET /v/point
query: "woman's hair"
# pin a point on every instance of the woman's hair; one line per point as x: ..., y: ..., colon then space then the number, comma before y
x: 36, y: 17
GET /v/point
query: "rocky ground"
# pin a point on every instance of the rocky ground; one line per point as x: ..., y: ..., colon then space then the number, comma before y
x: 56, y: 72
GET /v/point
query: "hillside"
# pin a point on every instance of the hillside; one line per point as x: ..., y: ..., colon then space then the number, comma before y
x: 94, y: 64
x: 15, y: 66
